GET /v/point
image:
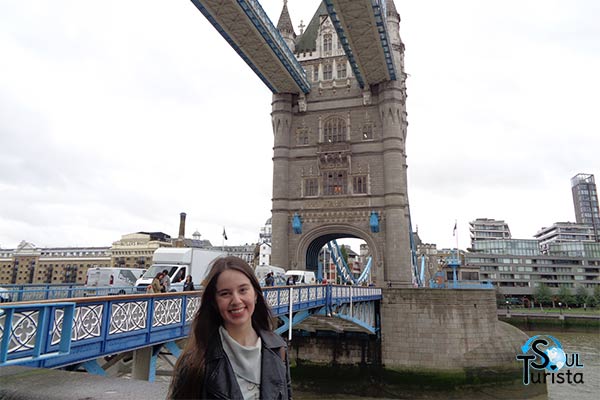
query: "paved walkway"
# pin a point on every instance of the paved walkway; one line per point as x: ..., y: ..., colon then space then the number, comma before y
x: 21, y: 383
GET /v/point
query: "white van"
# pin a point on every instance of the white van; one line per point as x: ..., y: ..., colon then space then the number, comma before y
x: 261, y: 272
x: 302, y: 277
x: 102, y: 277
x: 179, y: 263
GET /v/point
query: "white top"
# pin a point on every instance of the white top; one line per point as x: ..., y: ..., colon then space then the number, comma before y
x: 246, y: 364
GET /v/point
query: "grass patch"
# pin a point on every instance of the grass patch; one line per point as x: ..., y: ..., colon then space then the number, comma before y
x: 540, y: 323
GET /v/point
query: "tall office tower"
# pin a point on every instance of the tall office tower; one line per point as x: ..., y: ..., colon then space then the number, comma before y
x: 585, y: 200
x: 488, y: 229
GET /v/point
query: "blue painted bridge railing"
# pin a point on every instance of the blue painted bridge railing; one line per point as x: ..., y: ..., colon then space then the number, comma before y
x: 34, y: 334
x: 37, y: 292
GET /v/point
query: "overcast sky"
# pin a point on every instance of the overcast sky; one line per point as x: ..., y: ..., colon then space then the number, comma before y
x: 117, y: 115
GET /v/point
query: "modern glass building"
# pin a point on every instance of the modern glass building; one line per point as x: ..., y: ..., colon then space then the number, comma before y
x: 585, y: 201
x: 564, y: 232
x: 517, y: 266
x: 488, y: 229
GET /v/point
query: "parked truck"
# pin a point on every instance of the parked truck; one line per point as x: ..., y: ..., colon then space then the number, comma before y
x: 117, y: 277
x: 179, y: 263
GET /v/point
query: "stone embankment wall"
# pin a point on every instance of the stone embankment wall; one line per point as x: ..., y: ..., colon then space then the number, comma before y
x: 445, y: 329
x: 430, y: 329
x: 341, y: 349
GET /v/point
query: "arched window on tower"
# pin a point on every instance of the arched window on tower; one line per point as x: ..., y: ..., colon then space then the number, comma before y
x: 335, y: 130
x: 327, y: 43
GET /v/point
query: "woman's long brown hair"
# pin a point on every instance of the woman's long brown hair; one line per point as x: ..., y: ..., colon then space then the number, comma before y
x: 189, y: 370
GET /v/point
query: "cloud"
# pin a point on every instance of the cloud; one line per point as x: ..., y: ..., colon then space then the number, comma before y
x: 117, y: 116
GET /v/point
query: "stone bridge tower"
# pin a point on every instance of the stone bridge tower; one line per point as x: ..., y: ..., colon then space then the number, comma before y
x: 339, y: 160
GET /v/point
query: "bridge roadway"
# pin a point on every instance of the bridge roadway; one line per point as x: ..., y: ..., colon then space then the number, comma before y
x: 250, y: 32
x: 79, y: 331
x: 362, y: 29
x: 361, y: 26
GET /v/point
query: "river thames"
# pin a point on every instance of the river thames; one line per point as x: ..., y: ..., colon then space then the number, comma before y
x: 585, y: 343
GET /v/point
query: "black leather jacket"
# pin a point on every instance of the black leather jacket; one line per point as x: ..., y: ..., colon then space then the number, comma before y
x: 275, y: 383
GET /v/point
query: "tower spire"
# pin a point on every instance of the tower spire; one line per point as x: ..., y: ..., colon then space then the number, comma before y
x: 285, y: 26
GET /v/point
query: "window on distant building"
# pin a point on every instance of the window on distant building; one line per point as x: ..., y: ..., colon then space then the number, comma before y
x: 311, y: 187
x: 359, y: 184
x: 327, y: 72
x: 341, y: 69
x: 302, y: 138
x: 470, y: 276
x: 316, y: 73
x: 327, y: 42
x: 334, y: 183
x: 335, y: 130
x: 367, y: 131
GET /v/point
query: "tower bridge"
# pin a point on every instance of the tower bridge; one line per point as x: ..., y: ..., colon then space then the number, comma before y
x: 339, y: 170
x: 339, y: 125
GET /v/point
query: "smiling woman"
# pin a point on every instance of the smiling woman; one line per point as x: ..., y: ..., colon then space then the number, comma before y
x: 232, y: 352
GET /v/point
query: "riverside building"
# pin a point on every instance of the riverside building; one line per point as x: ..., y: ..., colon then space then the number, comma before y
x: 518, y: 266
x: 585, y: 201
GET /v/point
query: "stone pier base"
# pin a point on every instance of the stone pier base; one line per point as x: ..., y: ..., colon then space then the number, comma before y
x: 446, y: 330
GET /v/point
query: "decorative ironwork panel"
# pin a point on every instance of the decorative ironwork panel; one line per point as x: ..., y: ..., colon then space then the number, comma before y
x: 320, y: 292
x: 167, y: 312
x: 272, y: 298
x: 127, y: 317
x: 284, y: 297
x: 87, y: 323
x: 22, y: 332
x: 192, y: 305
x: 312, y: 293
x: 304, y: 294
x: 296, y: 296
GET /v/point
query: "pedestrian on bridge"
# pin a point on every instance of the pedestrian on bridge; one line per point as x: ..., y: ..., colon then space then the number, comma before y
x: 155, y: 286
x: 166, y: 281
x: 232, y: 352
x: 188, y: 284
x: 270, y: 279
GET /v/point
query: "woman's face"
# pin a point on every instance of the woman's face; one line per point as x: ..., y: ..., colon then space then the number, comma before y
x: 235, y: 299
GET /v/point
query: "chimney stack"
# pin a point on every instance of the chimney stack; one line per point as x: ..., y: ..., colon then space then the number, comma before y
x: 181, y: 237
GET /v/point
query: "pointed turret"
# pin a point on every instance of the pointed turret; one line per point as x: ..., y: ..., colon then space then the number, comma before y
x: 285, y: 27
x: 391, y: 10
x: 393, y: 23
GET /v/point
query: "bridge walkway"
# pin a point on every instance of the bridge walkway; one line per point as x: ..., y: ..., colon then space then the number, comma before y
x: 52, y: 334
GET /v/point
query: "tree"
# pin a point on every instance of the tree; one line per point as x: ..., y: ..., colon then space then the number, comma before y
x: 542, y: 294
x: 581, y: 296
x: 596, y: 296
x: 564, y: 295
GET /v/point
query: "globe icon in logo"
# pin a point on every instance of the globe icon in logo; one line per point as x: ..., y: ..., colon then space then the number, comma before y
x: 557, y: 358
